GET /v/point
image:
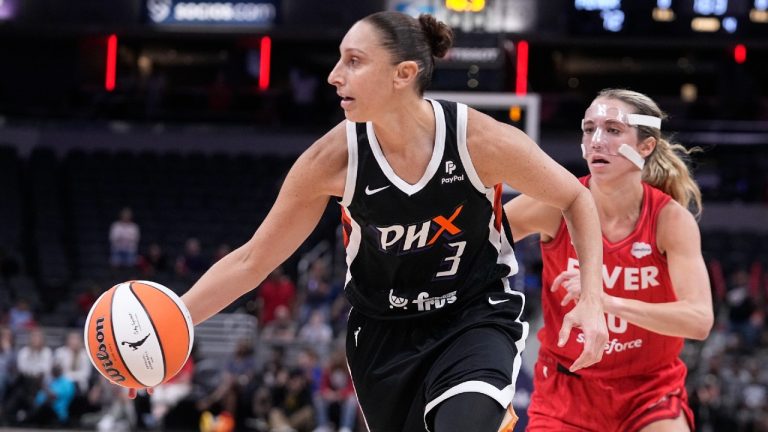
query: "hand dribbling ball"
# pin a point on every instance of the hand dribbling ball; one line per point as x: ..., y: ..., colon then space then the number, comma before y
x: 138, y: 334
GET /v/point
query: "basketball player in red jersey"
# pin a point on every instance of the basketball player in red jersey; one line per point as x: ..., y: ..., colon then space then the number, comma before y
x: 656, y: 289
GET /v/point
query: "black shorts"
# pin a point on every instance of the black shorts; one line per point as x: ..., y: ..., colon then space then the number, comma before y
x: 402, y: 369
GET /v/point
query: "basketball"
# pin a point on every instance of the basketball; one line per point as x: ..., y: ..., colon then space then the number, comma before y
x: 138, y: 334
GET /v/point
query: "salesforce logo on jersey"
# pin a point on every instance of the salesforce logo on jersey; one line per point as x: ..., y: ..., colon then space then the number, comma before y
x: 251, y: 12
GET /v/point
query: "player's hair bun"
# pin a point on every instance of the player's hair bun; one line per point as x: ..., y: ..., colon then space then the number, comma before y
x: 439, y: 35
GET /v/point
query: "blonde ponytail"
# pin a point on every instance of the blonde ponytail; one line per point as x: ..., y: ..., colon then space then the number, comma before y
x: 666, y: 167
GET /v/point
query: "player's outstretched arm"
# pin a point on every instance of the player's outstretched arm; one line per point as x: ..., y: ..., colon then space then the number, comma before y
x: 691, y: 315
x: 529, y: 216
x: 504, y: 154
x: 317, y: 175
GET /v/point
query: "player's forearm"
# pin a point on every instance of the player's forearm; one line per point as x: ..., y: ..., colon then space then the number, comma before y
x: 679, y: 318
x: 584, y: 226
x: 227, y: 280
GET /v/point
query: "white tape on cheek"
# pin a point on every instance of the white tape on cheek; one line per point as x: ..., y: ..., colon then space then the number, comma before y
x: 583, y: 151
x: 632, y: 155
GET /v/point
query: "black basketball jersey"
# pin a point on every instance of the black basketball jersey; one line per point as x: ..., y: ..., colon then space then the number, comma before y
x: 415, y: 249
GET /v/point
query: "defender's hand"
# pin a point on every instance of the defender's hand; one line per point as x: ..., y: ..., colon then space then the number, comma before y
x: 571, y: 282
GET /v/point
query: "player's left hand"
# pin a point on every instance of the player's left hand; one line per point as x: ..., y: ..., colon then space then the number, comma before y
x: 589, y: 317
x: 570, y: 281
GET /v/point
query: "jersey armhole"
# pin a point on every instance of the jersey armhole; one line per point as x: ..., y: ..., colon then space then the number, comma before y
x: 461, y: 142
x: 558, y: 238
x: 349, y: 185
x: 664, y: 201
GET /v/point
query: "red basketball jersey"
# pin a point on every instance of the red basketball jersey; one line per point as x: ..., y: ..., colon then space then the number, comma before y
x: 633, y: 268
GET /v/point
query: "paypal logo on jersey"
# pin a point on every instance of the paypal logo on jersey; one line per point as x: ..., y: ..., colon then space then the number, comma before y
x: 450, y: 167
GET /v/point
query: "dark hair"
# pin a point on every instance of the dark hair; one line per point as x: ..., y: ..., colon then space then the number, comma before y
x: 407, y: 38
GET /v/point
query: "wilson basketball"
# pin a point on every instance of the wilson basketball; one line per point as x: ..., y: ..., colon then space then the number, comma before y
x: 138, y: 334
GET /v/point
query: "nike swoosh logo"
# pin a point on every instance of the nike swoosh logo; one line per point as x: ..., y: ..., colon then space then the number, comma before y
x: 369, y: 191
x: 495, y: 302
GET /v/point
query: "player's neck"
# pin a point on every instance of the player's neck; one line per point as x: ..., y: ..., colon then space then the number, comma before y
x: 406, y: 125
x: 618, y: 199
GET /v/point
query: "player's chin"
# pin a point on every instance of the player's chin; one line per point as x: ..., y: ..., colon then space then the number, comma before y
x: 356, y: 115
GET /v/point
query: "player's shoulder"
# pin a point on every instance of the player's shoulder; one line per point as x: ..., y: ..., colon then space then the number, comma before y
x: 676, y: 225
x: 673, y: 213
x: 325, y: 161
x: 330, y: 150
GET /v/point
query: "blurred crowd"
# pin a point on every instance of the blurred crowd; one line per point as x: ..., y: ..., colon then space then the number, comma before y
x: 292, y: 375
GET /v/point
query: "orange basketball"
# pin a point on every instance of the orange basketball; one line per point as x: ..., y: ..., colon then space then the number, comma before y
x: 138, y: 334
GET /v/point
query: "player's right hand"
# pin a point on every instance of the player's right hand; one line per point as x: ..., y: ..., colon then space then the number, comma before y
x: 132, y: 392
x: 587, y: 315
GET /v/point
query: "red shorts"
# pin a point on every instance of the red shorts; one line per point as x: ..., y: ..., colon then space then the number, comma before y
x: 566, y: 402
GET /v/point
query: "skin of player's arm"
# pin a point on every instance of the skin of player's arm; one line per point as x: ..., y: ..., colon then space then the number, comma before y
x: 317, y: 174
x: 504, y: 154
x: 691, y: 315
x: 528, y: 216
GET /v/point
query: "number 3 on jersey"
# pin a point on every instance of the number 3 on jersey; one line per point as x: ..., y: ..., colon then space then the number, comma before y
x: 453, y: 259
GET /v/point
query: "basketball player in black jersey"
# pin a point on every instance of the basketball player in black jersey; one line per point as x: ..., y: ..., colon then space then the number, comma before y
x: 434, y: 336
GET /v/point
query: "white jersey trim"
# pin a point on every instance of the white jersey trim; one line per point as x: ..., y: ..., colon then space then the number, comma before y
x: 499, y: 241
x: 349, y: 186
x: 353, y: 247
x: 461, y: 141
x: 434, y: 163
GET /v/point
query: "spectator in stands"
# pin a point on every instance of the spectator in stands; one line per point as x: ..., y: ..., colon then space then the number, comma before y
x: 124, y: 235
x: 20, y: 317
x: 292, y: 409
x: 274, y: 367
x: 7, y: 364
x: 170, y: 393
x: 34, y: 363
x: 745, y: 319
x: 336, y: 392
x: 709, y: 407
x: 237, y: 383
x: 118, y: 412
x: 35, y: 359
x: 52, y: 401
x: 73, y: 361
x: 316, y: 332
x: 154, y: 261
x: 85, y: 301
x: 316, y: 294
x: 260, y: 409
x: 277, y: 290
x: 282, y: 329
x: 191, y: 263
x: 309, y: 362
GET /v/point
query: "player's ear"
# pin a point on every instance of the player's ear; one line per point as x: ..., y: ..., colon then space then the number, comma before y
x: 646, y: 146
x: 406, y: 73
